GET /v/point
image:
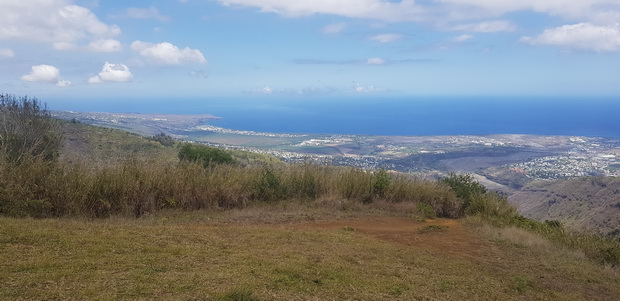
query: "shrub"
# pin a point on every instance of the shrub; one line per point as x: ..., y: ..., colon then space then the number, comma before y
x: 380, y: 183
x: 427, y: 210
x: 465, y: 187
x: 163, y: 139
x: 27, y: 129
x: 269, y: 186
x: 204, y: 154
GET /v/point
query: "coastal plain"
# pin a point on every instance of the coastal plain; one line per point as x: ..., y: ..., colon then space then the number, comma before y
x: 508, y: 160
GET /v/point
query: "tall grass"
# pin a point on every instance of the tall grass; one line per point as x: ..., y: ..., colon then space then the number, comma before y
x: 41, y: 188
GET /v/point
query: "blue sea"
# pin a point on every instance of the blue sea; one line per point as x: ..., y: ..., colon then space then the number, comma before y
x: 578, y: 116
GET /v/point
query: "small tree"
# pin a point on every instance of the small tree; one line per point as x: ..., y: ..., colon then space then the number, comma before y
x: 27, y: 129
x: 207, y: 155
x: 465, y: 187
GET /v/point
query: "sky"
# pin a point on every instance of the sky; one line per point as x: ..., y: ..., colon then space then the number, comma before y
x: 257, y: 49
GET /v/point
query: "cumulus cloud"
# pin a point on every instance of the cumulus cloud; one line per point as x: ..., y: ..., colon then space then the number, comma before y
x: 105, y: 45
x: 166, y: 53
x: 45, y: 74
x: 58, y: 22
x: 6, y: 53
x: 145, y: 13
x: 335, y: 28
x: 386, y: 38
x: 112, y: 73
x: 582, y: 36
x: 42, y: 73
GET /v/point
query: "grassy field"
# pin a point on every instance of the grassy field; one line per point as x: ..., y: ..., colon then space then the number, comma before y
x: 289, y: 253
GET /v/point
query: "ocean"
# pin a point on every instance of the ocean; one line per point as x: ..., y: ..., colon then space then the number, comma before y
x: 575, y: 116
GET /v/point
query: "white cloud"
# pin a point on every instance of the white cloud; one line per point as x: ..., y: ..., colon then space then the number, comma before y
x: 462, y: 38
x: 95, y: 80
x: 367, y: 89
x: 375, y: 61
x: 42, y: 73
x: 57, y: 22
x: 307, y: 91
x: 167, y: 53
x: 386, y: 38
x: 487, y: 26
x: 63, y: 83
x: 582, y: 36
x: 335, y: 28
x: 573, y: 9
x: 105, y: 45
x: 112, y: 73
x: 64, y: 46
x: 405, y: 10
x: 444, y: 13
x: 6, y: 53
x: 45, y: 74
x: 145, y: 13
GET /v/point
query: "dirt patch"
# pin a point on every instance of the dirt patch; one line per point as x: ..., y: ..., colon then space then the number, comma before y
x: 453, y: 240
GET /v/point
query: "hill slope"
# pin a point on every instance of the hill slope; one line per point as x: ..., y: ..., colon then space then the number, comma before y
x: 591, y: 203
x: 103, y: 145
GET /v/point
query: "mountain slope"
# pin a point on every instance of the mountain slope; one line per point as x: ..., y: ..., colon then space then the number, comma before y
x: 591, y: 203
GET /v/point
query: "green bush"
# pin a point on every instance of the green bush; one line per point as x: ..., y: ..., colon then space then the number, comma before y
x: 465, y: 187
x: 269, y: 186
x: 380, y: 183
x: 208, y: 156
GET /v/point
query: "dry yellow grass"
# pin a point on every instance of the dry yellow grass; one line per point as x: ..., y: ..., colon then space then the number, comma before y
x: 226, y: 256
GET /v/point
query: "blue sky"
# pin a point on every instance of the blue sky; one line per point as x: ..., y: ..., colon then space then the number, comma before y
x: 288, y: 49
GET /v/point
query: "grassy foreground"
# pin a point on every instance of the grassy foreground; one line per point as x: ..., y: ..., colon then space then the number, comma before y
x: 303, y: 254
